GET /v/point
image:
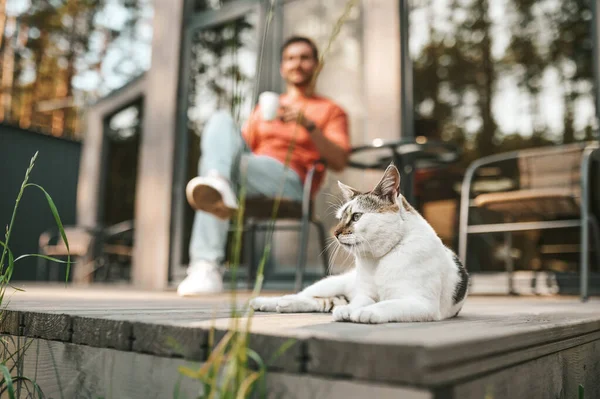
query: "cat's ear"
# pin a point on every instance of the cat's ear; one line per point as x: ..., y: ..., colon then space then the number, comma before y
x: 347, y: 192
x: 388, y: 187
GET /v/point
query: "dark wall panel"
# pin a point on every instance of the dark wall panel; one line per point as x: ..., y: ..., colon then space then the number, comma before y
x: 56, y: 169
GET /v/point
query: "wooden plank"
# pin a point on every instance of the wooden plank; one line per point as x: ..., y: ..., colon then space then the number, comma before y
x: 293, y: 386
x: 357, y: 360
x: 556, y: 375
x: 10, y: 322
x: 489, y: 335
x: 432, y: 365
x: 170, y: 340
x: 278, y: 353
x: 50, y: 326
x: 76, y: 371
x: 65, y: 370
x: 102, y: 333
x: 451, y: 374
x: 326, y: 356
x: 508, y: 335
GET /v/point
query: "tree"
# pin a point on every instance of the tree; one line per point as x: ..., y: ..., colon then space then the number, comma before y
x: 59, y: 50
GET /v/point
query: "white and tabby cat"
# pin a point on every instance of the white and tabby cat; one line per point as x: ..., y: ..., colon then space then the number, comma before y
x: 403, y: 271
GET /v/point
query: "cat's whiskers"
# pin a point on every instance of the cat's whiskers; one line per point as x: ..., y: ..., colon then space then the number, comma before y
x: 332, y: 208
x: 363, y: 239
x: 332, y: 242
x: 334, y: 255
x: 338, y: 199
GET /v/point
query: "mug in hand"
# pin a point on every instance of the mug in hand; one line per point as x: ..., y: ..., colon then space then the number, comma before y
x: 269, y: 104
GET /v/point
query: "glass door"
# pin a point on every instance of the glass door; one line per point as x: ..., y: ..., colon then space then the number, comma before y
x: 219, y: 72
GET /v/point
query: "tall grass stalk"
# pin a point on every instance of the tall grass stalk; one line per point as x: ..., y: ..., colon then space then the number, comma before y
x: 12, y: 354
x: 226, y: 373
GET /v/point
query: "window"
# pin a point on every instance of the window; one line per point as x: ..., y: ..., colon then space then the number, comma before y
x: 60, y: 56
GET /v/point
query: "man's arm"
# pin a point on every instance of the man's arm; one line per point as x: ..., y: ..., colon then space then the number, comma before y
x: 334, y: 155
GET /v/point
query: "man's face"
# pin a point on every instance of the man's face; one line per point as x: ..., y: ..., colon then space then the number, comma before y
x: 298, y: 64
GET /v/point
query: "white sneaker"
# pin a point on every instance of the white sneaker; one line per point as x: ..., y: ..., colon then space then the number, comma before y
x: 203, y: 278
x: 212, y: 194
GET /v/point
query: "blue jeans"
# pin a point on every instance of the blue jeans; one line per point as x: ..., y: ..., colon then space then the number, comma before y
x: 223, y: 149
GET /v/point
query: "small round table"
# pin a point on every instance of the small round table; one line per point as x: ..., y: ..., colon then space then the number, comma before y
x: 407, y: 154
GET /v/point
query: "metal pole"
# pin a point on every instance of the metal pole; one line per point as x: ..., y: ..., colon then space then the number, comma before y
x: 596, y: 54
x: 406, y: 75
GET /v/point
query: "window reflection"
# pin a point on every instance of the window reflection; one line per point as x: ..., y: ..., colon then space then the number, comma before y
x: 125, y: 124
x: 503, y: 75
x: 497, y: 76
x: 222, y: 76
x: 223, y: 70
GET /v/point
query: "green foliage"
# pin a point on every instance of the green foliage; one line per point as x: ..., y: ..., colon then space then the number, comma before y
x: 12, y: 352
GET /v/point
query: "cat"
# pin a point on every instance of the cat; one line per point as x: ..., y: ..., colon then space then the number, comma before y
x: 403, y: 271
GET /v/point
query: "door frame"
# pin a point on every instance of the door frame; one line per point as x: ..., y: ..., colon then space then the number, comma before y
x: 197, y: 21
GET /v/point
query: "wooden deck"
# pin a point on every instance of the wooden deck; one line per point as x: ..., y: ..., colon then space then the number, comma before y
x: 501, y: 346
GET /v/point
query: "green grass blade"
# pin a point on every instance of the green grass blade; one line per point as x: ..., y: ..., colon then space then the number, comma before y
x: 11, y: 257
x: 6, y: 274
x: 256, y: 357
x: 8, y: 381
x: 177, y: 389
x: 580, y: 391
x: 50, y: 258
x: 261, y: 382
x: 58, y: 224
x: 36, y: 387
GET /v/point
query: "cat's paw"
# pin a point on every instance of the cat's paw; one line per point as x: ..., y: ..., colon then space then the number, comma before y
x: 368, y: 316
x: 295, y: 304
x: 264, y: 304
x: 342, y: 313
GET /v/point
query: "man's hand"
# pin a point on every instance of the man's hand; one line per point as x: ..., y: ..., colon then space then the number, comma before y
x: 292, y: 114
x: 335, y: 156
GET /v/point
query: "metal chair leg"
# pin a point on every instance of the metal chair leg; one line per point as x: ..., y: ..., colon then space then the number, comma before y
x: 585, y: 256
x: 42, y: 269
x: 250, y: 245
x: 52, y: 271
x: 596, y: 232
x: 303, y: 248
x: 509, y: 263
x: 323, y: 244
x: 586, y: 218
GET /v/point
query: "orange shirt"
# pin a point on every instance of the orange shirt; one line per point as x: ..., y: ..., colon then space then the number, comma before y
x: 273, y: 138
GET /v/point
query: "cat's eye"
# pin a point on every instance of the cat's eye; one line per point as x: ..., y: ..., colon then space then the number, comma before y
x: 356, y: 216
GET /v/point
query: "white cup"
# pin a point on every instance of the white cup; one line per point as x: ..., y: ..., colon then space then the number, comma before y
x: 269, y: 104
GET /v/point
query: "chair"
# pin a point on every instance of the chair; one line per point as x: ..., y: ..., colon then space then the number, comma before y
x: 257, y: 215
x: 85, y: 243
x: 553, y: 188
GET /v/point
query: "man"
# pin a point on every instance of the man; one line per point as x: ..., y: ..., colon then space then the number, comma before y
x: 320, y: 128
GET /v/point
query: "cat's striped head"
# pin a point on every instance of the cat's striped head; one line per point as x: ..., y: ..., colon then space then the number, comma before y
x: 368, y: 222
